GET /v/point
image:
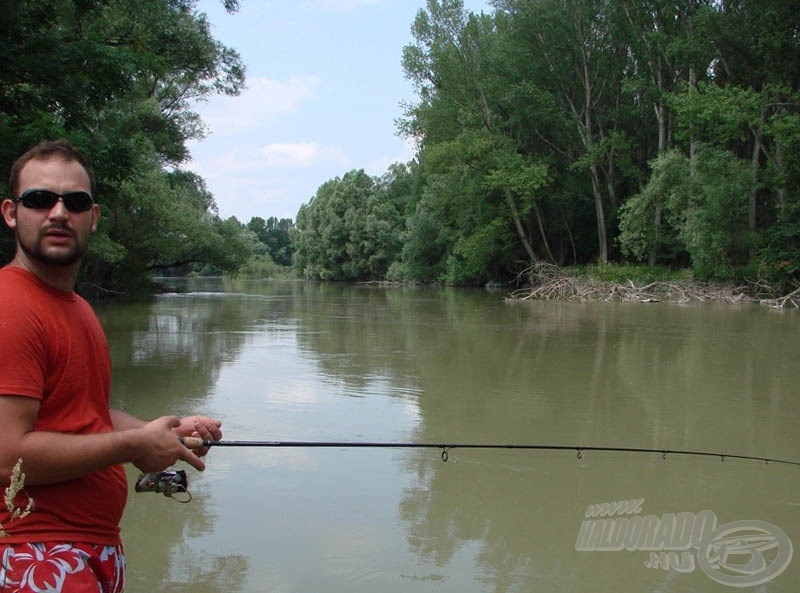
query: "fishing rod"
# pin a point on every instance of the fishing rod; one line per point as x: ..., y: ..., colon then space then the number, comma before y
x: 175, y: 482
x: 195, y: 442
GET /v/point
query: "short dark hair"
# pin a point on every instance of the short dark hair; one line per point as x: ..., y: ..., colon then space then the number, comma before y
x: 47, y: 149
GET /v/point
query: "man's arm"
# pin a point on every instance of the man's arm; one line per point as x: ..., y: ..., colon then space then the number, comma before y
x: 124, y: 421
x: 50, y: 457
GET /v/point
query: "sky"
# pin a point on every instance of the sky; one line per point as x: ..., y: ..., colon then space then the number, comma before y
x: 323, y: 92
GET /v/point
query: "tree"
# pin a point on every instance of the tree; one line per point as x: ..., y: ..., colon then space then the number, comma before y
x: 565, y: 130
x: 643, y: 235
x: 119, y: 79
x: 707, y: 211
x: 275, y: 235
x: 667, y: 52
x: 350, y: 230
x: 585, y: 61
x: 450, y: 65
x: 327, y: 248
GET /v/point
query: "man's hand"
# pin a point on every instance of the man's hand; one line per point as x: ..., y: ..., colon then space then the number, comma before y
x: 208, y: 429
x: 159, y: 447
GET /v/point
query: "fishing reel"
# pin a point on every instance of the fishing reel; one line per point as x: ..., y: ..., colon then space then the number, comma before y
x: 168, y: 483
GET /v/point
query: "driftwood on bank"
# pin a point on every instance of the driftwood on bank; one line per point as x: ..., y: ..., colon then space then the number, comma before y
x: 790, y: 300
x: 551, y: 283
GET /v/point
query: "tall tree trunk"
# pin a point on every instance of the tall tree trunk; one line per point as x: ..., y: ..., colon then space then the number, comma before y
x: 540, y: 223
x: 658, y: 214
x: 779, y: 163
x: 610, y: 175
x: 752, y: 215
x: 518, y: 225
x: 588, y: 141
x: 692, y: 140
x: 754, y: 163
x: 602, y: 237
x: 569, y: 234
x: 652, y: 257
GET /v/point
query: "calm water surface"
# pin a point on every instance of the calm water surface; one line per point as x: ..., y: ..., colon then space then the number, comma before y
x: 294, y: 361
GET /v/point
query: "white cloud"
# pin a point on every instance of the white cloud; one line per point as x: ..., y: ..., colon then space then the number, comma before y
x: 406, y: 150
x: 262, y: 101
x: 274, y: 156
x: 339, y: 5
x: 264, y: 181
x: 301, y: 154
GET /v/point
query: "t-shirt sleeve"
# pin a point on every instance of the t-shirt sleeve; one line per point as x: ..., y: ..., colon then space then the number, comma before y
x: 23, y: 354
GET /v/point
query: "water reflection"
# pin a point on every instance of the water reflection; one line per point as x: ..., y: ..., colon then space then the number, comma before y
x: 302, y: 361
x: 160, y: 553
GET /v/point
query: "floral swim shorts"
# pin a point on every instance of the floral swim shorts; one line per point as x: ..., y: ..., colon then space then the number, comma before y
x: 61, y: 568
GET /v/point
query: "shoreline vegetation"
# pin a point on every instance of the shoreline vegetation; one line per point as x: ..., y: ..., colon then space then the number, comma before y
x: 549, y: 282
x: 680, y: 148
x: 633, y: 284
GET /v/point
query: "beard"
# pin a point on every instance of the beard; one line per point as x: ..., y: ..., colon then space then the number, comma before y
x: 59, y: 257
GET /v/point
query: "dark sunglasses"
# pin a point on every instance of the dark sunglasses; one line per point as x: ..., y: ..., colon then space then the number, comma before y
x: 44, y: 199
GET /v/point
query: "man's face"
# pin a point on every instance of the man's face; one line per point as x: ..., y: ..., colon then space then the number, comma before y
x: 55, y: 236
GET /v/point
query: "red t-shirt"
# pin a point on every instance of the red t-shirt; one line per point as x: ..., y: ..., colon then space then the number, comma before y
x: 53, y: 348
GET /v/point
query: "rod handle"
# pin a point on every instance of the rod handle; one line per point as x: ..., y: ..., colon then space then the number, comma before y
x: 192, y: 442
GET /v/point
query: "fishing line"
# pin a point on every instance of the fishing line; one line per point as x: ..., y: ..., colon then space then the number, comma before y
x: 194, y: 442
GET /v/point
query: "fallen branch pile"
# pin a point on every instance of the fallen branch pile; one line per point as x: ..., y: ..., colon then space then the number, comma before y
x: 551, y: 283
x: 791, y: 299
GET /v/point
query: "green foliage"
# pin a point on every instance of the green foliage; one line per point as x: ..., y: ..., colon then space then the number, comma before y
x: 720, y: 116
x: 780, y: 255
x: 350, y: 230
x: 158, y: 221
x: 462, y: 231
x: 637, y: 273
x: 710, y: 212
x: 276, y: 236
x: 561, y: 131
x: 549, y: 90
x: 471, y: 261
x: 119, y: 79
x: 705, y: 212
x: 260, y: 266
x: 425, y: 244
x: 546, y: 130
x: 643, y: 230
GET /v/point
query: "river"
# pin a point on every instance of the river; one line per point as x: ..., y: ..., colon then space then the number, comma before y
x: 327, y: 362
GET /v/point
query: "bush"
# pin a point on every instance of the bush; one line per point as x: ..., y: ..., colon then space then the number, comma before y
x: 260, y: 266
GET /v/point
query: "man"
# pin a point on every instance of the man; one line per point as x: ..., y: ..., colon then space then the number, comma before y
x: 55, y: 373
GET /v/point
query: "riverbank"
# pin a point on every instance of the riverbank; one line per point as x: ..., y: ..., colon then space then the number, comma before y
x: 552, y: 283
